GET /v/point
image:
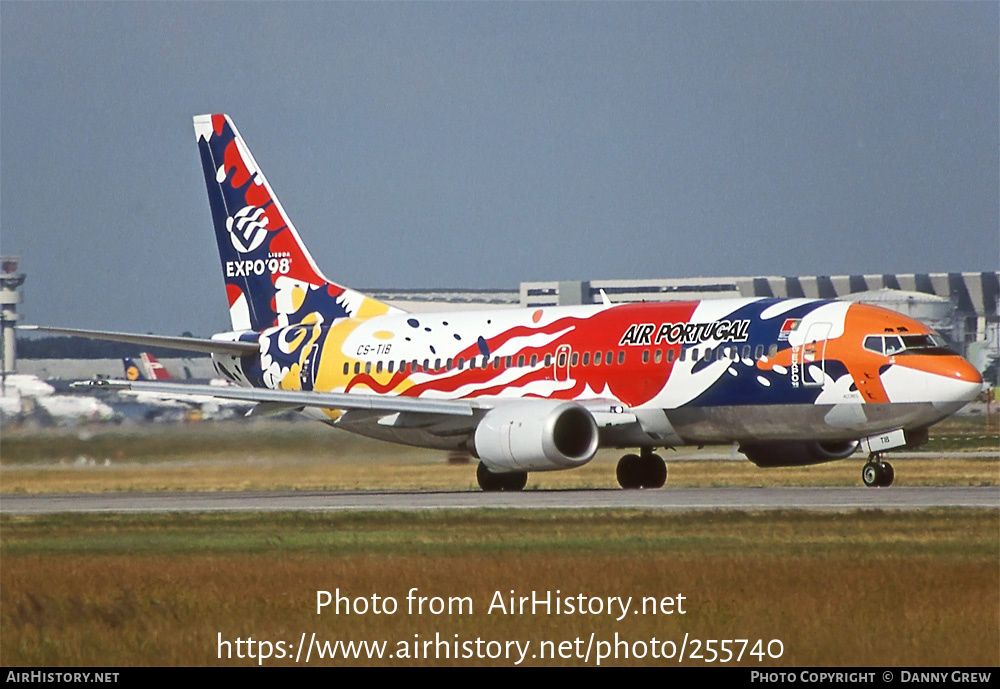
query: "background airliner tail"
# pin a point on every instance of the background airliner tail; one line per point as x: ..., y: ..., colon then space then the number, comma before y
x: 132, y: 370
x: 271, y: 279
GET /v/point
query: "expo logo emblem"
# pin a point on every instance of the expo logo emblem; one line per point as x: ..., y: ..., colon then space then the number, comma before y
x: 247, y: 229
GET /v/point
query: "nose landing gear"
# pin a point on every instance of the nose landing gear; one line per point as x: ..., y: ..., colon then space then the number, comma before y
x: 876, y: 473
x: 644, y: 470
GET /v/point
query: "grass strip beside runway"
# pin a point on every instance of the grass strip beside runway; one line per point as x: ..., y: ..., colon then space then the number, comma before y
x: 871, y: 588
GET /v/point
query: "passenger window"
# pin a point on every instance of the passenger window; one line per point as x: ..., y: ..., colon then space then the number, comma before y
x: 520, y: 360
x: 758, y: 352
x: 670, y: 356
x: 508, y: 361
x: 645, y: 356
x: 573, y: 360
x: 708, y: 353
x: 392, y: 365
x: 683, y: 354
x: 357, y: 367
x: 658, y: 356
x: 621, y: 358
x: 378, y: 367
x: 368, y: 367
x: 347, y: 368
x: 772, y: 351
x: 461, y: 363
x: 562, y: 359
x: 597, y: 358
x: 694, y: 354
x: 534, y: 360
x: 607, y: 358
x: 746, y: 351
x: 586, y: 358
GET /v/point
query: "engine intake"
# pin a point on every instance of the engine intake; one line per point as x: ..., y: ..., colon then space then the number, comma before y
x: 536, y: 435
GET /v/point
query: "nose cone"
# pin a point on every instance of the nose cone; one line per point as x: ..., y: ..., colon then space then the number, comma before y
x: 946, y: 382
x: 964, y: 371
x: 956, y: 383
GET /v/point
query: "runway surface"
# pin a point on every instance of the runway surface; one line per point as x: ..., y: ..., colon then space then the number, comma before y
x: 746, y: 499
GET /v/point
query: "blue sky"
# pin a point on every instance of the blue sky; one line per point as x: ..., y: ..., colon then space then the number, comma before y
x: 483, y: 144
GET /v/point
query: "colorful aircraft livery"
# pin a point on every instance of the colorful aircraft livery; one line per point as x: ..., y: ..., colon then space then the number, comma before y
x: 792, y: 381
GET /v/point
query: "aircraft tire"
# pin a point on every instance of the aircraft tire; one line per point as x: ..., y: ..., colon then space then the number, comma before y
x: 488, y: 481
x: 654, y: 471
x: 491, y: 482
x: 629, y: 472
x: 515, y: 481
x: 870, y: 475
x: 886, y: 473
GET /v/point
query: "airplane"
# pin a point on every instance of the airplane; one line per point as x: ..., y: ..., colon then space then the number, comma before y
x: 151, y: 369
x: 791, y: 381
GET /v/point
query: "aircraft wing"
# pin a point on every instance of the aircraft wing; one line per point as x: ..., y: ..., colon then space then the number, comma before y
x: 291, y: 399
x: 191, y: 344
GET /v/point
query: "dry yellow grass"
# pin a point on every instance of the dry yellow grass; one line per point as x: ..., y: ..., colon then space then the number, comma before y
x: 310, y: 456
x: 865, y: 589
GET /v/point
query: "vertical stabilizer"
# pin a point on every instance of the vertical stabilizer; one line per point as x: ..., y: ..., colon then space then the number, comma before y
x: 270, y: 277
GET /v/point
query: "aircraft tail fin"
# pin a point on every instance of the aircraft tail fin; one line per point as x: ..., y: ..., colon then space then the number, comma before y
x: 154, y: 369
x: 132, y: 370
x: 271, y: 279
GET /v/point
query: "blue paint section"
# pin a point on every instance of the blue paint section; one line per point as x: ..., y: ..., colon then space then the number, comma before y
x: 746, y: 386
x: 484, y: 347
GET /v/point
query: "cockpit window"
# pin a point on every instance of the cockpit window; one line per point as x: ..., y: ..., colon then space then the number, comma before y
x: 873, y: 343
x: 922, y: 341
x: 893, y: 344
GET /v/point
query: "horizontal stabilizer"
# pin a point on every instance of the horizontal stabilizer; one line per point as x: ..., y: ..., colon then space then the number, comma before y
x: 190, y: 344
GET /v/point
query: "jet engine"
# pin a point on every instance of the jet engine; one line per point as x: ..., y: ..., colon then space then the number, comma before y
x: 535, y: 435
x: 797, y: 453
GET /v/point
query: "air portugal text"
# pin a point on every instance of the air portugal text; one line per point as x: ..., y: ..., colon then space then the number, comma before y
x: 639, y: 334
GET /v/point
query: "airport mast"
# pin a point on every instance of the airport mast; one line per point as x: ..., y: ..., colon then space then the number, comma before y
x: 10, y: 296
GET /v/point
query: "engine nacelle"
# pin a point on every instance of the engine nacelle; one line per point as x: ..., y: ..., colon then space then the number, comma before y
x: 797, y: 453
x: 542, y: 435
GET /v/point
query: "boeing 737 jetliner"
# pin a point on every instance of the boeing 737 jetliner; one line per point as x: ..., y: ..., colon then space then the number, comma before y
x: 792, y: 381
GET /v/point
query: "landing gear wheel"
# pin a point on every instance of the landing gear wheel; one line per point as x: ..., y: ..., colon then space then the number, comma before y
x: 515, y: 480
x: 869, y: 475
x: 655, y: 474
x: 877, y: 474
x: 490, y: 481
x: 645, y: 471
x: 888, y: 475
x: 629, y: 472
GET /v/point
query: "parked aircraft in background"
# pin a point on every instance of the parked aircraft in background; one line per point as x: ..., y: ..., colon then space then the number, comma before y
x: 151, y: 368
x: 793, y: 381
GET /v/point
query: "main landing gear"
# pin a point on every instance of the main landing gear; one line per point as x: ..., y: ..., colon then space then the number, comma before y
x: 489, y: 481
x: 644, y: 470
x: 876, y: 473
